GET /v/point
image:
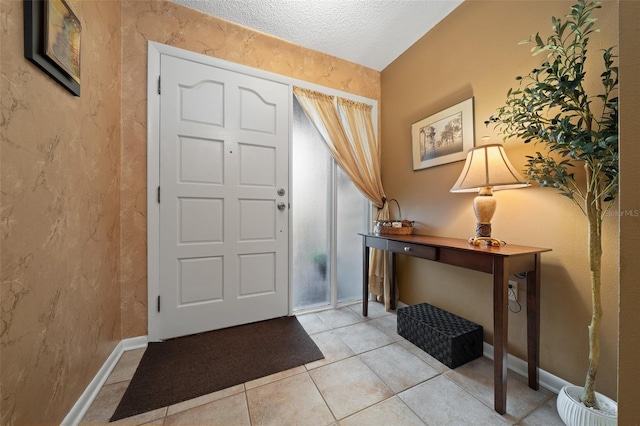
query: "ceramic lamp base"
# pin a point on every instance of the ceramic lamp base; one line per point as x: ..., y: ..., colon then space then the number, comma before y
x: 484, y: 205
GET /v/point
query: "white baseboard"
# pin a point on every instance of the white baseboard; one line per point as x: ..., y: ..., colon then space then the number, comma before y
x: 519, y: 366
x: 83, y: 403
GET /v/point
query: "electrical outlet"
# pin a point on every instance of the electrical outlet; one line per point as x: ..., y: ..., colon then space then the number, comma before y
x: 513, y: 290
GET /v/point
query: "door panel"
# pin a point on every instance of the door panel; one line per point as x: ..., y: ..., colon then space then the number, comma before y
x: 257, y: 165
x: 189, y: 103
x: 224, y: 140
x: 201, y: 160
x: 257, y: 114
x: 257, y: 275
x: 200, y: 220
x: 257, y: 220
x: 194, y: 289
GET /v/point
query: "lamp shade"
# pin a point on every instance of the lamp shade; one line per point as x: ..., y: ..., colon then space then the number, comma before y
x: 488, y: 166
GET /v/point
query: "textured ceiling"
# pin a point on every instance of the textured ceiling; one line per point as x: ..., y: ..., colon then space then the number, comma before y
x: 372, y: 33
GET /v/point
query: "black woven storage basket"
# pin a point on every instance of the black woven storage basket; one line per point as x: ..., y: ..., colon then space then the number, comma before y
x: 448, y: 338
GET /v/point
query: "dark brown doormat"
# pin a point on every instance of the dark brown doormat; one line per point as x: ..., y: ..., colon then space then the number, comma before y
x: 187, y: 367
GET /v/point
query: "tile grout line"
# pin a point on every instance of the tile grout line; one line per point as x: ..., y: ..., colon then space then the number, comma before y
x: 335, y: 418
x: 246, y: 400
x: 472, y: 395
x: 357, y: 355
x: 417, y: 384
x: 397, y: 394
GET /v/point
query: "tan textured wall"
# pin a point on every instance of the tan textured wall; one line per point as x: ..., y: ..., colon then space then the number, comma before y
x: 629, y: 339
x: 60, y: 216
x: 474, y: 52
x: 185, y: 28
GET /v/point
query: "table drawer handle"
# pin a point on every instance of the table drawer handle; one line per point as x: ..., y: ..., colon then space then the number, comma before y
x: 407, y: 248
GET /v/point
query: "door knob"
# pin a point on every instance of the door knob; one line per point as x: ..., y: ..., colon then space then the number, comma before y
x: 281, y: 192
x: 281, y: 206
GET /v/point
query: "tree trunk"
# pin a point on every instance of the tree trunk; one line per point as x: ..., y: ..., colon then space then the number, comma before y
x: 594, y: 217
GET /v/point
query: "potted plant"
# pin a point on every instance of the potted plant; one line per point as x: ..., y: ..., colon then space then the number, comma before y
x: 552, y: 109
x: 320, y: 260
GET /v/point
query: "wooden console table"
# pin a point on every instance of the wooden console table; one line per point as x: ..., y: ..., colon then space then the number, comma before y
x: 501, y: 262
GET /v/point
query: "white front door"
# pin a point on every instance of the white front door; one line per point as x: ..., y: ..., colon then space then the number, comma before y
x: 224, y: 173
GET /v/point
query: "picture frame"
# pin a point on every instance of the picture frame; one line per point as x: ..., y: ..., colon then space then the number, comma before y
x: 52, y: 41
x: 444, y: 137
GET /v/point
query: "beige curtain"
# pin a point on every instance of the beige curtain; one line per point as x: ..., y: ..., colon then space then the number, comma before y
x: 347, y: 129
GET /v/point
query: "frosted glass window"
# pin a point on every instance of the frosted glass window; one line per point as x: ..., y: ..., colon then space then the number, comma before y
x: 352, y: 211
x: 310, y: 195
x: 328, y: 212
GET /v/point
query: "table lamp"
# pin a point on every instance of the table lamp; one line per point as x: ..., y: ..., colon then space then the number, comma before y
x: 487, y: 169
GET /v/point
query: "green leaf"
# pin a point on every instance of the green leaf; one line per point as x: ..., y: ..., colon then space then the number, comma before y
x: 551, y: 107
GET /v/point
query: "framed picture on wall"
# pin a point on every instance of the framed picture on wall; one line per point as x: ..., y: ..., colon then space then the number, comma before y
x: 52, y: 34
x: 444, y: 137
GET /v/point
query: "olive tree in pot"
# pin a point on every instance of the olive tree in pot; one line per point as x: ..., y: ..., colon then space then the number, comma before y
x: 551, y: 108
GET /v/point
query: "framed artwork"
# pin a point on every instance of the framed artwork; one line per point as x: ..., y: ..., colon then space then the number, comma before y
x: 52, y: 35
x: 444, y: 137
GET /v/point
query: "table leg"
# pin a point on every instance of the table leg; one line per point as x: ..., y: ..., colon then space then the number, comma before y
x: 500, y: 332
x: 533, y: 323
x: 392, y: 280
x: 365, y: 277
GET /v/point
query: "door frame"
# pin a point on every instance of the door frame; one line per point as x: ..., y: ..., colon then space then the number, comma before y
x: 155, y: 50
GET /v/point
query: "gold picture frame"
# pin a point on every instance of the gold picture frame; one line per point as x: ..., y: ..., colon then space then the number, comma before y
x: 62, y: 41
x: 444, y: 137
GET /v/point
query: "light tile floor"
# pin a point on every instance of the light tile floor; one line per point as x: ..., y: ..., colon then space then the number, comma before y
x: 369, y: 376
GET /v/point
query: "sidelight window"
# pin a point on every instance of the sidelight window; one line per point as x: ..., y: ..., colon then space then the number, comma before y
x: 328, y: 212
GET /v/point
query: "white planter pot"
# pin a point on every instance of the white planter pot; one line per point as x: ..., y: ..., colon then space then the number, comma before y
x: 574, y: 413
